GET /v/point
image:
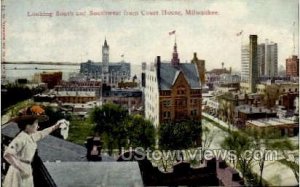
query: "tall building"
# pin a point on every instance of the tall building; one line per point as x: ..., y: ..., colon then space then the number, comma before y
x: 105, y: 62
x: 245, y: 64
x: 292, y: 66
x: 267, y: 57
x: 267, y: 60
x: 173, y: 91
x: 253, y: 65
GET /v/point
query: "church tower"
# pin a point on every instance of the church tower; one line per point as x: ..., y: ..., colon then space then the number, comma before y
x: 105, y: 62
x: 175, y: 60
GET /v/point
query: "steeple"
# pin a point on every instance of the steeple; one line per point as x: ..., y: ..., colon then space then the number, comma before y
x: 175, y: 60
x: 105, y: 43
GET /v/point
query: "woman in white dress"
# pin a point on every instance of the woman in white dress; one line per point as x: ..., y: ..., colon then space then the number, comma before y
x: 20, y: 151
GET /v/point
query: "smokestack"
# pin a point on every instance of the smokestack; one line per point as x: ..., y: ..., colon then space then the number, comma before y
x: 158, y: 67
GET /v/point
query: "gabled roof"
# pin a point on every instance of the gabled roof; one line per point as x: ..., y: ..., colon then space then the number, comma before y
x: 169, y: 74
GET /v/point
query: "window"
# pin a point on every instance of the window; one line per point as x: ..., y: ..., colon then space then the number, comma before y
x: 193, y: 112
x: 180, y: 102
x: 166, y: 103
x: 166, y: 114
x: 181, y: 92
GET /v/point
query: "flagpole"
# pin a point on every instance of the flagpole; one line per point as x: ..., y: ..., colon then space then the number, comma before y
x: 294, y: 37
x: 242, y: 38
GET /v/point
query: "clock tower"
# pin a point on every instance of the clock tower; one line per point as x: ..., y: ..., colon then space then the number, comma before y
x: 105, y: 62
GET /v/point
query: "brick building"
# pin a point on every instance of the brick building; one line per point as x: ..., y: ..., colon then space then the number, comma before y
x: 292, y: 66
x: 51, y: 79
x: 78, y: 91
x: 173, y: 90
x: 246, y: 112
x: 130, y: 99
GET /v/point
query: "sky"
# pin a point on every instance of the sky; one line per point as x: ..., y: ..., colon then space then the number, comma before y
x: 141, y: 38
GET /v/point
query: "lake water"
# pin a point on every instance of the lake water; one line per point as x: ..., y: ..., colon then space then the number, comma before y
x: 15, y: 71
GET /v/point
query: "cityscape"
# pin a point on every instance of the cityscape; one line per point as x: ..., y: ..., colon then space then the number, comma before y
x: 152, y: 99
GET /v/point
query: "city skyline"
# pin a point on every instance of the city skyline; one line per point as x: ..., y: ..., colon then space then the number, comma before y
x: 141, y: 38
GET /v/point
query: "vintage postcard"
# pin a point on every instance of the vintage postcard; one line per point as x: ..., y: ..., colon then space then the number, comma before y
x: 149, y: 93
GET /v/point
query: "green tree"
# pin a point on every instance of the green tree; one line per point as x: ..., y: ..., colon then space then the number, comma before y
x: 207, y: 138
x: 271, y: 95
x: 141, y: 132
x: 110, y: 120
x: 241, y: 144
x: 179, y: 135
x: 249, y: 140
x: 290, y: 155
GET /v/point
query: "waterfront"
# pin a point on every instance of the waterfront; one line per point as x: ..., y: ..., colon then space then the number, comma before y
x: 16, y: 71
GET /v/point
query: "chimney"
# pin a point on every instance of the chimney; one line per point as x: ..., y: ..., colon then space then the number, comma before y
x: 195, y: 56
x: 94, y: 146
x: 158, y: 67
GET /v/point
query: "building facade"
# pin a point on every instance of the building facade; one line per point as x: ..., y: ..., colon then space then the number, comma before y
x: 245, y: 63
x: 51, y: 79
x: 110, y: 72
x: 78, y: 92
x: 130, y: 99
x: 250, y: 68
x: 292, y: 66
x: 173, y: 91
x: 267, y: 56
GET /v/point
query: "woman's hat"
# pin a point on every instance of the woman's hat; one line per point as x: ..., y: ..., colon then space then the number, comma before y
x: 29, y: 115
x: 33, y: 117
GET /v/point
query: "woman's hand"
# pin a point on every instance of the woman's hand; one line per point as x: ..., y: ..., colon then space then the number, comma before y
x: 24, y: 174
x: 58, y: 124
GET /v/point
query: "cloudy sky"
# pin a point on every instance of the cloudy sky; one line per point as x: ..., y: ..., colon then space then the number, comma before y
x: 142, y: 38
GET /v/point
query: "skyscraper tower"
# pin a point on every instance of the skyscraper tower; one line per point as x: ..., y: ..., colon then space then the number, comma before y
x: 253, y: 65
x: 245, y: 63
x: 175, y: 60
x: 105, y: 62
x: 267, y: 59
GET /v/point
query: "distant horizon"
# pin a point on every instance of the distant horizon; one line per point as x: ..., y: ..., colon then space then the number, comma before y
x: 138, y: 31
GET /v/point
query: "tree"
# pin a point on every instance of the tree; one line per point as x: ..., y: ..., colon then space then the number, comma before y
x: 141, y: 132
x: 110, y: 120
x: 271, y: 95
x: 179, y: 135
x: 262, y: 140
x: 207, y: 138
x: 290, y: 156
x: 241, y: 144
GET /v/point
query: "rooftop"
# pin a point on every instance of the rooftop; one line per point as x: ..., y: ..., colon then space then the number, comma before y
x: 95, y: 174
x: 168, y: 74
x: 76, y: 93
x: 251, y: 109
x: 271, y: 122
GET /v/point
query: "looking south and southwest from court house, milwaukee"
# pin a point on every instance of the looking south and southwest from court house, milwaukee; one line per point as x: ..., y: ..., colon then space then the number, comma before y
x: 179, y: 100
x: 188, y: 12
